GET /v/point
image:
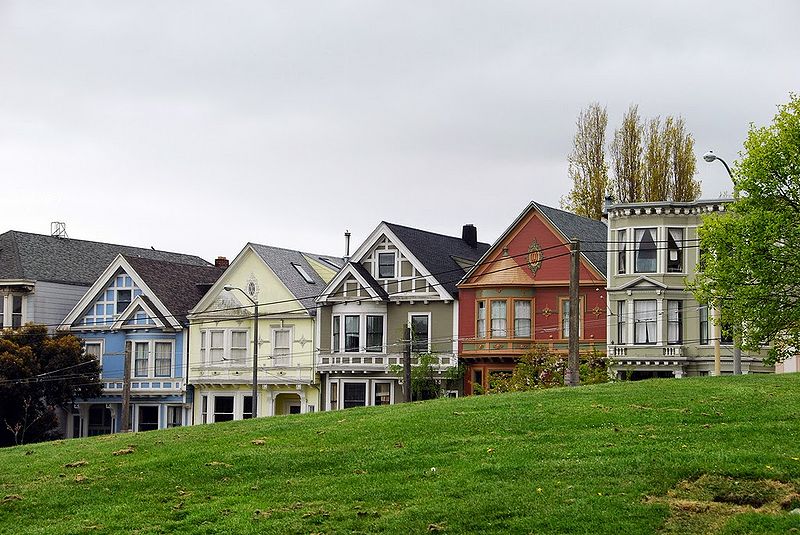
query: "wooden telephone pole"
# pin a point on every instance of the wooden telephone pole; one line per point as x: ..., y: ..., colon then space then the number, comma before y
x: 573, y: 371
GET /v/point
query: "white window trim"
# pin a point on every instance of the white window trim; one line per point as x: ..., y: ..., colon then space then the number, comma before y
x: 430, y: 327
x: 227, y: 345
x: 290, y: 357
x: 151, y: 359
x: 377, y: 274
x: 135, y: 419
x: 374, y: 390
x: 8, y: 313
x: 683, y: 250
x: 362, y: 333
x: 634, y: 247
x: 238, y: 403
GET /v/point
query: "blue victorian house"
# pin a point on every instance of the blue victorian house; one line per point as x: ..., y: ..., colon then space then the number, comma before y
x: 137, y: 308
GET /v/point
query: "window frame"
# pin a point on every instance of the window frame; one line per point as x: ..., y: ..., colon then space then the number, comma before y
x: 637, y: 250
x: 515, y: 332
x: 379, y: 265
x: 371, y: 348
x: 501, y: 332
x: 282, y: 360
x: 563, y: 314
x: 622, y: 322
x: 678, y: 322
x: 480, y: 330
x: 654, y: 322
x: 679, y: 249
x: 703, y: 317
x: 357, y: 347
x: 171, y: 367
x: 622, y: 251
x: 136, y: 359
x: 413, y: 340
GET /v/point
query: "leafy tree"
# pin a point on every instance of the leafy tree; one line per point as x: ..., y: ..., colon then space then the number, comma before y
x: 587, y: 164
x: 38, y: 373
x: 682, y: 185
x: 626, y: 157
x: 752, y: 251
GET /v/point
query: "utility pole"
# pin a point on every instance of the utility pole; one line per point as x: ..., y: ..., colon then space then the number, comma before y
x: 573, y: 371
x: 255, y: 358
x: 407, y: 364
x: 126, y: 389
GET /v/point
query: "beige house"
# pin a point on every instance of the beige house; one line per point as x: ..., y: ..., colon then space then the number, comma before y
x: 284, y: 283
x: 655, y: 326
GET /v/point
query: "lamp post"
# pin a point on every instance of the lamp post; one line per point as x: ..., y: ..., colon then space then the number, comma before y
x: 737, y: 351
x: 229, y: 288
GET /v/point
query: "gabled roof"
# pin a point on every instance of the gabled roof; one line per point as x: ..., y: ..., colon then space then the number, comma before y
x: 280, y: 262
x: 177, y: 286
x: 439, y: 253
x: 28, y: 256
x: 591, y: 231
x: 369, y: 280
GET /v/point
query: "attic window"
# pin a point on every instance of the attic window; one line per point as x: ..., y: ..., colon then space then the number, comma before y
x: 303, y: 273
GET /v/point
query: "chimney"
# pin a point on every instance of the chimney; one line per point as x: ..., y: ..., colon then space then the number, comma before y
x: 470, y: 235
x: 221, y: 262
x: 607, y: 202
x: 347, y: 245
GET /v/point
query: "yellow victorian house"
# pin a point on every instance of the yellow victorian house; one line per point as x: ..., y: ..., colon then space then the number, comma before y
x: 281, y: 284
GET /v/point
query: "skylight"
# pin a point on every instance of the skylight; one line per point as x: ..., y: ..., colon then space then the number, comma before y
x: 303, y: 273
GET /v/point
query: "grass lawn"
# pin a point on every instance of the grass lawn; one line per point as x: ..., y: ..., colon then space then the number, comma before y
x: 705, y: 455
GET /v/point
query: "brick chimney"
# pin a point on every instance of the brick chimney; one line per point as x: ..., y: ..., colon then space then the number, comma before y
x: 221, y: 262
x: 470, y: 235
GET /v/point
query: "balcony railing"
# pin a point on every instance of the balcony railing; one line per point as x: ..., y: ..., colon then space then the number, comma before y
x: 331, y: 361
x: 149, y: 385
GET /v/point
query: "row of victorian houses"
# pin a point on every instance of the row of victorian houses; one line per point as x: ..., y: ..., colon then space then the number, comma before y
x: 331, y: 330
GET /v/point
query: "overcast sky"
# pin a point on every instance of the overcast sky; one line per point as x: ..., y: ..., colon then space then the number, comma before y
x: 198, y: 126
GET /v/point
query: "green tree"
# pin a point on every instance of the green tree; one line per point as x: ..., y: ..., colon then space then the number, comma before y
x: 587, y: 164
x: 626, y: 157
x: 39, y: 373
x: 752, y: 251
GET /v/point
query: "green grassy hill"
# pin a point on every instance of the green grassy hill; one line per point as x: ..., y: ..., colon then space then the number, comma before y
x: 709, y: 455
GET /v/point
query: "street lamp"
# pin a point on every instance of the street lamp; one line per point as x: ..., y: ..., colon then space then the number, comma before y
x: 229, y: 288
x: 737, y: 352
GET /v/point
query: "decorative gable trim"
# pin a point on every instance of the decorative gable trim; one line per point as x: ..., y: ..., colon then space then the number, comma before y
x: 100, y: 285
x: 383, y: 230
x: 128, y: 313
x: 642, y: 282
x: 349, y: 271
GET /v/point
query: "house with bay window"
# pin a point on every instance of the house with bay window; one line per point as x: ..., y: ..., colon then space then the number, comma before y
x: 399, y: 277
x: 517, y: 294
x: 655, y: 326
x: 283, y: 283
x: 136, y: 310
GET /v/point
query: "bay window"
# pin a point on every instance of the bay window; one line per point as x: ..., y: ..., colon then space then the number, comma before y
x: 499, y: 329
x: 645, y: 250
x: 140, y: 351
x: 674, y: 322
x: 674, y: 250
x: 336, y: 334
x: 374, y: 333
x: 622, y: 322
x: 351, y: 333
x: 621, y: 251
x: 372, y: 326
x: 480, y: 322
x: 703, y: 313
x: 522, y: 319
x: 644, y: 318
x: 163, y: 359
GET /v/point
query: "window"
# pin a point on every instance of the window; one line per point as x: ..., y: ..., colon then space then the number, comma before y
x: 239, y: 347
x: 351, y: 333
x: 386, y: 265
x: 336, y: 333
x: 522, y: 319
x: 163, y: 363
x: 355, y: 395
x: 499, y: 319
x: 16, y: 311
x: 334, y: 398
x: 174, y: 416
x: 247, y: 407
x: 621, y: 251
x: 622, y: 322
x: 645, y: 250
x: 140, y: 351
x: 383, y: 393
x: 203, y: 346
x: 480, y: 323
x: 204, y: 409
x: 644, y: 318
x: 477, y: 381
x: 123, y: 300
x: 565, y: 318
x: 420, y: 333
x: 303, y: 273
x: 674, y: 250
x: 703, y: 313
x: 674, y: 322
x: 282, y: 347
x: 2, y: 310
x: 94, y: 349
x: 223, y: 408
x: 375, y: 333
x: 217, y: 350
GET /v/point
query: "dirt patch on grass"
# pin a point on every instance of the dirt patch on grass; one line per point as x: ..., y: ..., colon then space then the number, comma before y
x: 705, y: 504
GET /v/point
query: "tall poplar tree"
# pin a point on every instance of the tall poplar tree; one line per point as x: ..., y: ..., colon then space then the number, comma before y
x: 626, y: 157
x: 587, y: 164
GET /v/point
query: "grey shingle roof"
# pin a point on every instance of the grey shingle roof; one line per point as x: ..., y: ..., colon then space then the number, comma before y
x: 178, y: 286
x: 24, y: 255
x: 280, y: 262
x: 437, y: 252
x: 594, y: 233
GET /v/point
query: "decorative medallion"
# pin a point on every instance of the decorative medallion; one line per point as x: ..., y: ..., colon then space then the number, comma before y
x: 535, y: 256
x: 547, y: 312
x: 597, y: 311
x: 303, y: 341
x: 252, y: 288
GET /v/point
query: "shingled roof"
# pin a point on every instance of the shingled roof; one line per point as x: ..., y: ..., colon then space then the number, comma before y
x: 28, y: 256
x: 178, y: 286
x: 282, y: 262
x: 591, y: 231
x: 438, y: 253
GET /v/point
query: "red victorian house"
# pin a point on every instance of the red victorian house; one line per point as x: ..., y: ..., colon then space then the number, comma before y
x: 517, y: 294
